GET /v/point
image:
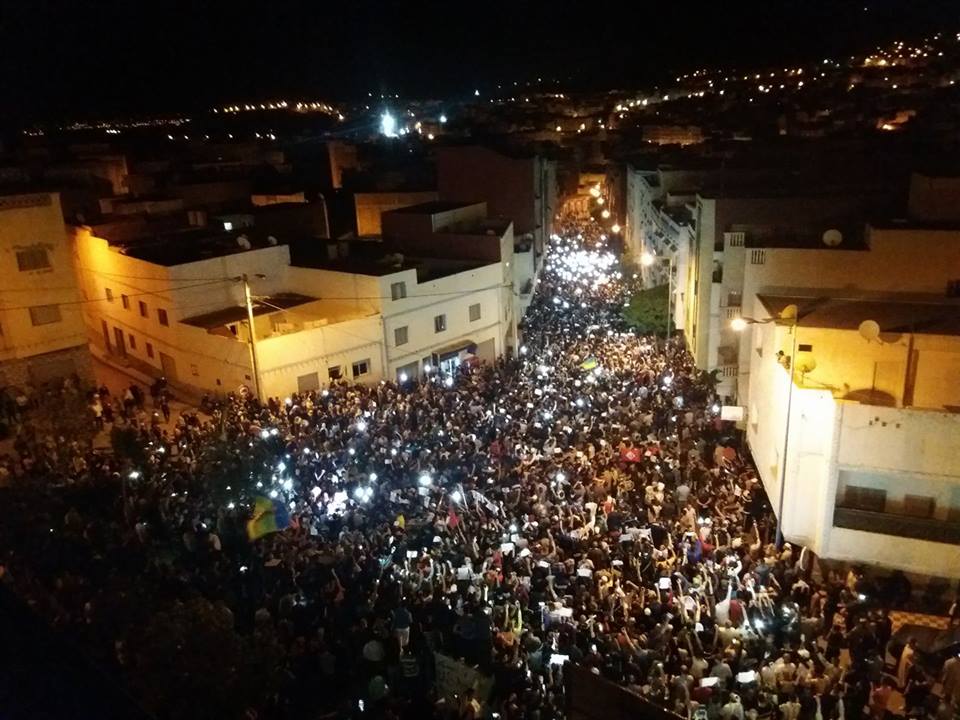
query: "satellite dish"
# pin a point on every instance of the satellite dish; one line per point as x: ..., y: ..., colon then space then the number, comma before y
x: 869, y: 330
x: 789, y: 312
x: 271, y: 240
x: 806, y: 363
x: 243, y: 242
x: 832, y: 237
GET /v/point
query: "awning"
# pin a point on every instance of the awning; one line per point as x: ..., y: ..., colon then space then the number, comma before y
x: 453, y: 350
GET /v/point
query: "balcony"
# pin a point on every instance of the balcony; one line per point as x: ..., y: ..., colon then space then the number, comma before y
x: 942, y: 531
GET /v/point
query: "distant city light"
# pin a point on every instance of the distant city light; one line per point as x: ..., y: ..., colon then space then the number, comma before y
x: 443, y: 119
x: 388, y: 125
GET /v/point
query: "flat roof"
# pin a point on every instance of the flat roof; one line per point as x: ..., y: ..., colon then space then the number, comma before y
x: 911, y: 224
x: 193, y: 245
x: 225, y: 316
x: 432, y: 207
x: 928, y: 316
x: 801, y: 237
x: 374, y: 259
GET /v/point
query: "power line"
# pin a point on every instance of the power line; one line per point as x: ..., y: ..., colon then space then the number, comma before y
x: 105, y: 299
x: 140, y: 277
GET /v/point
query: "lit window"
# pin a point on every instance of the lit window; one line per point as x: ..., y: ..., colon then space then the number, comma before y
x: 227, y: 225
x: 439, y: 323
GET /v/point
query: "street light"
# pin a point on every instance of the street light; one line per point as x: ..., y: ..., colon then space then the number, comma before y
x: 788, y: 316
x: 647, y: 259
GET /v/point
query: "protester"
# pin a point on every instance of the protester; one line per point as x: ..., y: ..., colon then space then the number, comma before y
x: 579, y: 502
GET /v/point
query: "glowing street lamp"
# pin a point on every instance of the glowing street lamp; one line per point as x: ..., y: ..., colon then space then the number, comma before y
x: 615, y: 228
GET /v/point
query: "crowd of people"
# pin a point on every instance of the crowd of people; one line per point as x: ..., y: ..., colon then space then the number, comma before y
x: 580, y: 503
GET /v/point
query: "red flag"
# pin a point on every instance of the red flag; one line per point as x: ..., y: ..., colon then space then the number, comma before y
x: 630, y: 454
x: 452, y: 519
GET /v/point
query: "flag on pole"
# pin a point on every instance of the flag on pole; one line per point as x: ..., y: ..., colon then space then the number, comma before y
x: 269, y: 516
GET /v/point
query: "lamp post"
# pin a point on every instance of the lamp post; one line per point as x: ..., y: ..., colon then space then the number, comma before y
x: 647, y: 259
x: 739, y: 325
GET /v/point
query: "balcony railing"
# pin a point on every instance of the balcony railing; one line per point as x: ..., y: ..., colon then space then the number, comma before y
x: 943, y: 531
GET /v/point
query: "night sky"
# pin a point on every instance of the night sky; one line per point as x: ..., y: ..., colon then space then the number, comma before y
x: 67, y: 58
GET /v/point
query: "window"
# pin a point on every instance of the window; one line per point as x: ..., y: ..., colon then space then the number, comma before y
x: 308, y: 382
x: 109, y: 293
x: 33, y: 259
x: 335, y: 372
x: 864, y: 498
x: 474, y: 312
x: 126, y: 302
x: 802, y: 347
x: 361, y: 368
x: 133, y: 342
x: 195, y: 371
x: 162, y: 317
x: 45, y: 314
x: 439, y: 323
x: 398, y: 290
x: 400, y: 335
x: 149, y: 350
x: 758, y: 257
x: 143, y: 309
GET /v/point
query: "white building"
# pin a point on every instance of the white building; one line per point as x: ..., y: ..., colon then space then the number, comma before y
x: 873, y: 456
x: 175, y: 306
x: 42, y: 336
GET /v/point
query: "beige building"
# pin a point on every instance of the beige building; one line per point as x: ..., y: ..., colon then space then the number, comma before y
x: 370, y: 206
x: 519, y: 186
x: 174, y: 305
x: 873, y: 455
x: 743, y: 245
x: 42, y: 336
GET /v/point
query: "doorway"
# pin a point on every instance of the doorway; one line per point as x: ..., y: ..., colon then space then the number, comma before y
x: 120, y: 342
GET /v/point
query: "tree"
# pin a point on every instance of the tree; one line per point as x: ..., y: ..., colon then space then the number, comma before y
x: 647, y: 311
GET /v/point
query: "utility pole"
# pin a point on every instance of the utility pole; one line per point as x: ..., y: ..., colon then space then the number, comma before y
x: 253, y: 338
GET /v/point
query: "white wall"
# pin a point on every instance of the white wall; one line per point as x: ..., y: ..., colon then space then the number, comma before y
x: 907, y: 450
x: 284, y: 358
x: 452, y: 295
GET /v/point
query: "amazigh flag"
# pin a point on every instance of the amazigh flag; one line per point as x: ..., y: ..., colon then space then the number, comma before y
x: 589, y: 364
x: 269, y: 516
x: 631, y: 454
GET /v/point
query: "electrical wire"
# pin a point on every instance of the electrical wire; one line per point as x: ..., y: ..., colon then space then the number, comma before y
x: 105, y: 299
